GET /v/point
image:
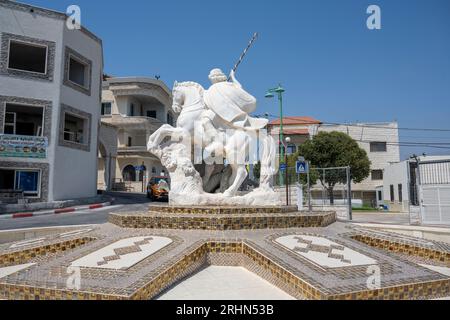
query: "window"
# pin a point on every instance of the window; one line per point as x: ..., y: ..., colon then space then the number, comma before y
x: 130, y: 142
x: 28, y: 182
x: 291, y: 149
x: 23, y: 120
x: 392, y: 193
x: 377, y: 174
x: 400, y: 193
x: 74, y: 128
x: 151, y: 114
x: 27, y: 57
x: 378, y: 147
x: 380, y: 196
x: 23, y: 180
x: 78, y: 72
x: 106, y: 108
x: 7, y: 179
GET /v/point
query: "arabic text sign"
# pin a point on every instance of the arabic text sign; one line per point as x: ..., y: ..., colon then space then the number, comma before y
x: 23, y: 146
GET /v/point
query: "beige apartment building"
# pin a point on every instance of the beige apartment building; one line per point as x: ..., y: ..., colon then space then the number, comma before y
x: 380, y: 140
x: 136, y: 107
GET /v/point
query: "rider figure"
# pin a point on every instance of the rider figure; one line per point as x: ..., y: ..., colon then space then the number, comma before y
x: 231, y: 103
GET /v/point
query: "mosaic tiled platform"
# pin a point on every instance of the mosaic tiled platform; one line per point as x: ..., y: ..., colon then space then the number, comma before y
x: 307, y: 263
x: 222, y: 219
x: 221, y: 209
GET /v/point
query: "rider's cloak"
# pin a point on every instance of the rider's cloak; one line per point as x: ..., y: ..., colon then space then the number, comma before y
x: 233, y: 104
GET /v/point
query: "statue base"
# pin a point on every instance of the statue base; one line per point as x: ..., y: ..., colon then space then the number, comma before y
x: 221, y: 218
x: 257, y: 197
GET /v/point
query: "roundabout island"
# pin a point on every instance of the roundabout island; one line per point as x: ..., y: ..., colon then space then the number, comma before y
x: 208, y: 222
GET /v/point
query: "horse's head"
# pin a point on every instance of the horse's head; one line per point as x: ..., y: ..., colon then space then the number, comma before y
x: 185, y: 94
x: 178, y: 97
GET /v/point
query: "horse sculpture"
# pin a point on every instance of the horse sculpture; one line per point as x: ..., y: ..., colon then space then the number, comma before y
x: 188, y: 102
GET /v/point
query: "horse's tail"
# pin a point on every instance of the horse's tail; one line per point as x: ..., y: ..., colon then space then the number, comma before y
x: 268, y: 161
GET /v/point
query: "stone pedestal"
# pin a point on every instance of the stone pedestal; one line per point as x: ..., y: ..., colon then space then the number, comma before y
x: 221, y: 218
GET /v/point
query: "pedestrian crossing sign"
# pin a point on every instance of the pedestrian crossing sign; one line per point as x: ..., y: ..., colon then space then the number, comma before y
x: 301, y: 167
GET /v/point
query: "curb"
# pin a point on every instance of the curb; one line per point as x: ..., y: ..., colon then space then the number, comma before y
x: 55, y: 211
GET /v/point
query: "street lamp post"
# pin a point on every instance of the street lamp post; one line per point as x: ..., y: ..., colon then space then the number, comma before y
x: 270, y: 94
x: 285, y: 144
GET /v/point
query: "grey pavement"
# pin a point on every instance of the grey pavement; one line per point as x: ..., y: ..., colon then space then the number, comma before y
x: 139, y: 202
x: 381, y: 217
x: 131, y: 202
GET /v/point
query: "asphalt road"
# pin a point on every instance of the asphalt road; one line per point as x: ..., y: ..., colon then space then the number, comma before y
x: 132, y: 202
x: 139, y: 202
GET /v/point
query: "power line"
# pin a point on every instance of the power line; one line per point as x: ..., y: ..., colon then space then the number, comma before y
x: 410, y: 144
x: 385, y: 127
x: 362, y: 125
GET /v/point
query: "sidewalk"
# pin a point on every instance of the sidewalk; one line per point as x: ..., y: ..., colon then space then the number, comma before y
x: 6, y: 208
x: 55, y: 211
x: 380, y: 217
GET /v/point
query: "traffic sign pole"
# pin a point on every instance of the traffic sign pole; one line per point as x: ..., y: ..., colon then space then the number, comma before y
x: 309, y: 190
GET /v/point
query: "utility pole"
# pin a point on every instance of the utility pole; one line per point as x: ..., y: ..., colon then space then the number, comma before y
x: 349, y: 193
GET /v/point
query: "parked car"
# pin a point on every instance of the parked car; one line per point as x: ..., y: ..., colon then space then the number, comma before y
x: 158, y: 188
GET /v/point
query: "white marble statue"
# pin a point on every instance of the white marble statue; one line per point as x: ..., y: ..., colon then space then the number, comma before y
x: 214, y: 130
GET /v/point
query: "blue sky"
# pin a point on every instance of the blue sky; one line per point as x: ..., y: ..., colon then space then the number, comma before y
x: 332, y: 66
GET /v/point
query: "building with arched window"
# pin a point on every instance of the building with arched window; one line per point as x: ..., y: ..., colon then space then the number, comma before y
x: 137, y: 107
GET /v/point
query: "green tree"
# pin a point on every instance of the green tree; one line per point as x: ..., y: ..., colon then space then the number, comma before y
x: 257, y: 170
x: 335, y: 149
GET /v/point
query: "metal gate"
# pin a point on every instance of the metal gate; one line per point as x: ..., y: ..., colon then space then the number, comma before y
x: 434, y: 191
x: 316, y: 197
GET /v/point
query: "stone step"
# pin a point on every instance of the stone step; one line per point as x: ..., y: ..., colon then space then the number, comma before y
x: 220, y: 210
x: 208, y: 221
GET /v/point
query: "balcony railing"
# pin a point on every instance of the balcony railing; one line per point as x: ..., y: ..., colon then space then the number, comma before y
x: 133, y: 122
x: 132, y: 149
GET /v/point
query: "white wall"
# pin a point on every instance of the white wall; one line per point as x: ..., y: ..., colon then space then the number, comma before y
x: 396, y: 174
x: 76, y: 170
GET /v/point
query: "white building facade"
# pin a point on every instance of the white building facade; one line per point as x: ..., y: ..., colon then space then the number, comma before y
x: 50, y: 82
x: 379, y: 140
x: 423, y: 183
x: 137, y: 107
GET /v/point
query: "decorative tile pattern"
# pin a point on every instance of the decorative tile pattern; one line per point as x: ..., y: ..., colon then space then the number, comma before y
x: 123, y: 254
x: 324, y: 252
x: 438, y: 253
x: 209, y: 221
x: 22, y: 256
x: 220, y: 210
x: 256, y: 250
